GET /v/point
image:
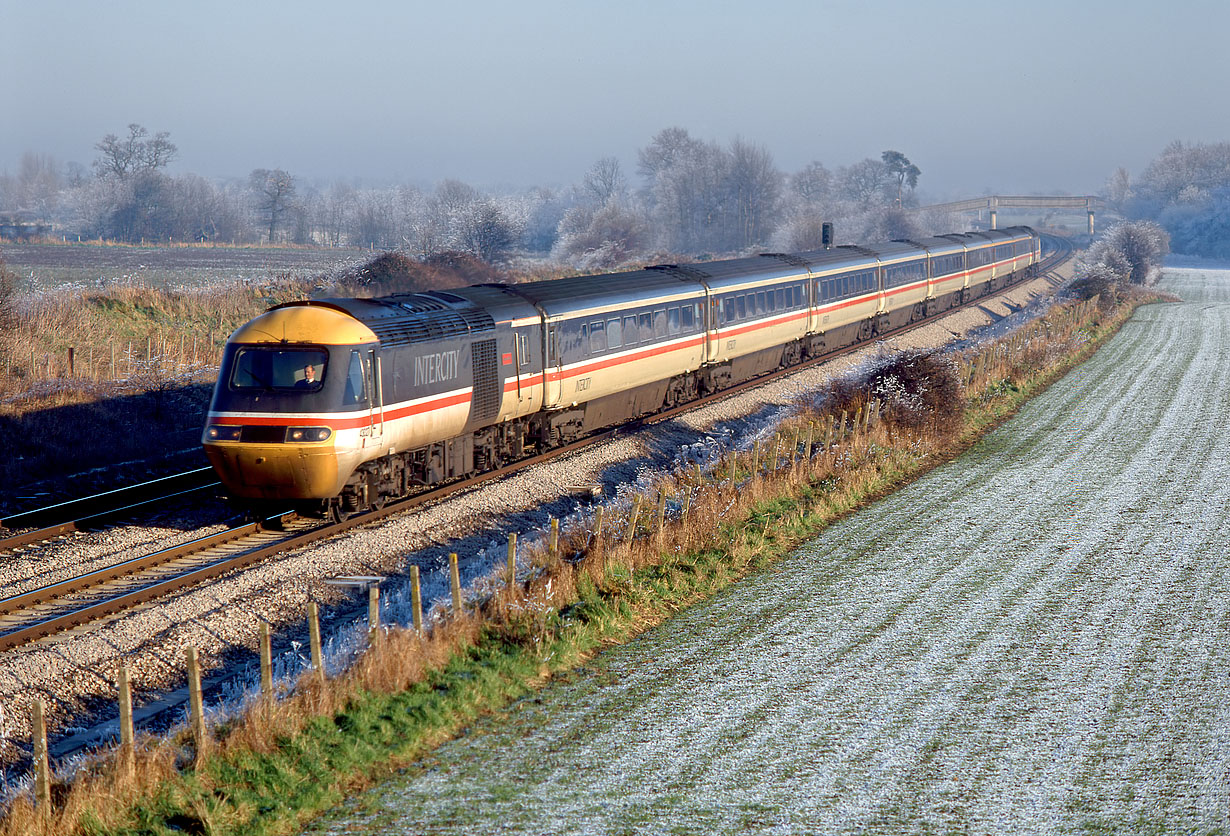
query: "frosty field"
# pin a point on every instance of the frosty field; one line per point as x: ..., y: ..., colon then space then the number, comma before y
x: 44, y: 266
x: 1032, y: 639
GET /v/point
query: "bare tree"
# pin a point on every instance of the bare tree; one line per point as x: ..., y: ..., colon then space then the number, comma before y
x: 275, y: 192
x: 134, y: 153
x: 605, y: 180
x: 667, y: 149
x: 755, y: 187
x: 1119, y: 188
x: 38, y: 184
x: 864, y: 182
x: 487, y: 231
x: 813, y: 184
x: 598, y: 239
x: 137, y: 190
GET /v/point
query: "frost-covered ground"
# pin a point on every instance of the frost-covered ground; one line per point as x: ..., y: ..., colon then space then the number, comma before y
x: 1033, y: 639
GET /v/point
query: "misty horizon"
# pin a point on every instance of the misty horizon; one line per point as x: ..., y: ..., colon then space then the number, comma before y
x: 516, y: 97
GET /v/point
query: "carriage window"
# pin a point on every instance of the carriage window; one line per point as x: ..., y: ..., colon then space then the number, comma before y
x: 644, y: 326
x: 728, y: 309
x: 597, y: 340
x: 659, y: 323
x: 629, y: 335
x: 614, y: 335
x: 672, y: 321
x: 688, y: 317
x: 741, y: 305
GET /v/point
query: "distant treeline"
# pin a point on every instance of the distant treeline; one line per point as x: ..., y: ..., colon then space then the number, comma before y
x: 687, y: 197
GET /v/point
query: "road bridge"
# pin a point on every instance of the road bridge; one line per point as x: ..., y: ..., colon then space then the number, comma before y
x: 993, y: 203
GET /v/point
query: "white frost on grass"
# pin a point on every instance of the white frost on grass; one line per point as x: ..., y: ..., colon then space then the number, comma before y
x: 1032, y: 639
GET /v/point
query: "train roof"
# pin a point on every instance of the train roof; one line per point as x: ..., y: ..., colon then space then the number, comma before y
x: 407, y: 318
x: 937, y: 245
x: 582, y: 294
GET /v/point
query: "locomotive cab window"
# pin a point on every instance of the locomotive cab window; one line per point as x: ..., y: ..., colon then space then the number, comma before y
x: 355, y: 390
x: 277, y: 369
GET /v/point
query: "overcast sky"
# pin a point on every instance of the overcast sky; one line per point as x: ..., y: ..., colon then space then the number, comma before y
x: 1003, y: 96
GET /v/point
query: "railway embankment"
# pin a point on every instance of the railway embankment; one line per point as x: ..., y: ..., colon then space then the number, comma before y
x: 598, y: 587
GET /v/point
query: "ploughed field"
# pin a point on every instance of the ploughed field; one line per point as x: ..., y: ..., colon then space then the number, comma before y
x: 1034, y: 638
x: 51, y: 265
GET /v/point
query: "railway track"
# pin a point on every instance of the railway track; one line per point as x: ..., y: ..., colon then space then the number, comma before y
x: 59, y: 609
x: 41, y: 524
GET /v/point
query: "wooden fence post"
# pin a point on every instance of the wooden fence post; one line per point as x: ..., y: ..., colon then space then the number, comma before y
x: 632, y: 517
x: 512, y: 558
x: 318, y: 655
x: 416, y: 598
x: 661, y: 515
x: 196, y: 704
x: 373, y: 613
x: 127, y: 734
x: 266, y: 649
x: 597, y: 523
x: 455, y: 576
x: 553, y: 540
x: 42, y: 767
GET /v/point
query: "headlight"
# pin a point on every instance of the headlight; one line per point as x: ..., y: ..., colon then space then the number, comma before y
x: 222, y: 432
x: 308, y: 433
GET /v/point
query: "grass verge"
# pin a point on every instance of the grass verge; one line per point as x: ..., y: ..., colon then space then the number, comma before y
x: 282, y: 763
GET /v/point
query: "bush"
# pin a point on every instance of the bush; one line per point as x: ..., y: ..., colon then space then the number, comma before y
x: 395, y: 272
x: 917, y: 390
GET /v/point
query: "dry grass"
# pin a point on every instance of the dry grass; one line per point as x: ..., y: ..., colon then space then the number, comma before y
x: 639, y: 568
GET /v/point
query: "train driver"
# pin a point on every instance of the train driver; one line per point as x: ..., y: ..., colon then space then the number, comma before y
x: 309, y: 377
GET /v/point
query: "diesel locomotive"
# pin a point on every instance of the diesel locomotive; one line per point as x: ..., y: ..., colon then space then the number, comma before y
x: 336, y: 405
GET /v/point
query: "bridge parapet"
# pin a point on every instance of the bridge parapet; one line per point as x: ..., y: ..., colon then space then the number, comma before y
x: 992, y: 203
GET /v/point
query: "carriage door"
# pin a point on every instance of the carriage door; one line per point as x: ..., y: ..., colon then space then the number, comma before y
x: 712, y: 319
x: 553, y: 368
x: 375, y: 399
x: 523, y: 360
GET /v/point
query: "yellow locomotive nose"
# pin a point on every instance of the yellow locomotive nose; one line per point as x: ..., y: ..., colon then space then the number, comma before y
x: 276, y: 471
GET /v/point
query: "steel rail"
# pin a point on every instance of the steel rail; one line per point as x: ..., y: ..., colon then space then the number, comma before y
x: 63, y: 515
x: 161, y: 588
x: 39, y: 535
